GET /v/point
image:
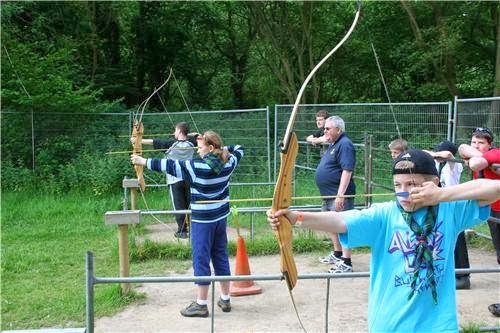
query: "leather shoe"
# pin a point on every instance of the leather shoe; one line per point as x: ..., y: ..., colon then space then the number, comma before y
x: 462, y: 282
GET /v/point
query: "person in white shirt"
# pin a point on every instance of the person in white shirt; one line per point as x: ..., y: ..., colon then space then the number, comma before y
x: 449, y: 172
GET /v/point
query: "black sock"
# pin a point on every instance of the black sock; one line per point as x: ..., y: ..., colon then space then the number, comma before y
x: 347, y: 261
x: 338, y: 254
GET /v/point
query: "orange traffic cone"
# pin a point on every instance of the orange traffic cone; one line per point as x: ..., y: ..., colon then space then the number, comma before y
x: 242, y: 288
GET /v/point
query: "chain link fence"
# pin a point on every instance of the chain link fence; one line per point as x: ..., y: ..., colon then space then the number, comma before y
x: 421, y: 124
x: 475, y: 112
x: 27, y: 136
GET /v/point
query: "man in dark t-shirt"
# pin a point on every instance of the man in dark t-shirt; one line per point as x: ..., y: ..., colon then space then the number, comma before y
x: 318, y: 137
x: 334, y: 176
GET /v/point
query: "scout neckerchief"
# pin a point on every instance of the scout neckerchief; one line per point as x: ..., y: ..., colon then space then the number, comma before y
x: 214, y: 162
x: 423, y: 254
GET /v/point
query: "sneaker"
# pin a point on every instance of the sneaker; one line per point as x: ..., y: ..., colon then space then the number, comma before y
x: 224, y: 305
x: 340, y: 268
x: 462, y: 282
x: 182, y: 235
x: 195, y: 310
x: 494, y: 309
x: 330, y: 259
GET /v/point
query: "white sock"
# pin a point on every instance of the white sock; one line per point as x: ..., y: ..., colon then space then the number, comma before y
x: 225, y: 297
x: 202, y: 301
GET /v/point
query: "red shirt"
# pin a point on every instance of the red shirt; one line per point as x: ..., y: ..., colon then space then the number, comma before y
x: 493, y: 157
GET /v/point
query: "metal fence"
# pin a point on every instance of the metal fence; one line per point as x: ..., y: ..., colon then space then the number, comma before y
x: 26, y: 137
x: 250, y: 128
x: 92, y: 281
x: 421, y: 124
x: 475, y: 112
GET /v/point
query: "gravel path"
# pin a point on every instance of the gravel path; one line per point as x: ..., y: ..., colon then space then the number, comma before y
x: 272, y: 310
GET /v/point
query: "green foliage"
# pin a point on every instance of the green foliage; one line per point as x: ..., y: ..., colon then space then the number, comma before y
x: 471, y: 328
x: 16, y: 179
x: 72, y: 57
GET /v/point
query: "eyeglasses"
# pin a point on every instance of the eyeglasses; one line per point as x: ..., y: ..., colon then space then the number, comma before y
x: 484, y: 130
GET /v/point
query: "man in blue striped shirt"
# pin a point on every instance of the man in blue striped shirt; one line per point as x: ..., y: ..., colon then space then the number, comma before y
x: 208, y: 177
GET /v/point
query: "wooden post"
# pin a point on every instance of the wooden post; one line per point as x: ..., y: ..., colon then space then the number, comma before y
x: 123, y: 253
x: 123, y: 218
x: 133, y: 185
x: 133, y: 198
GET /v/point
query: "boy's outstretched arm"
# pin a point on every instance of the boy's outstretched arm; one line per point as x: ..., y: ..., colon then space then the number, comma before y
x: 485, y: 191
x: 323, y: 221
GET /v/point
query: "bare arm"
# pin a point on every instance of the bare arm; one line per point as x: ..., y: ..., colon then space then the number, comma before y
x: 467, y: 151
x: 315, y: 141
x: 345, y: 178
x: 485, y: 191
x: 440, y: 155
x: 478, y: 163
x: 324, y: 221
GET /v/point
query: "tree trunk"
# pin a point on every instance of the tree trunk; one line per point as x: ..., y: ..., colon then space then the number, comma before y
x: 496, y: 90
x: 93, y: 39
x: 447, y: 74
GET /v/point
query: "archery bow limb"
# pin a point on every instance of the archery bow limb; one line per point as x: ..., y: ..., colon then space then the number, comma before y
x: 137, y: 133
x: 282, y: 198
x: 283, y: 189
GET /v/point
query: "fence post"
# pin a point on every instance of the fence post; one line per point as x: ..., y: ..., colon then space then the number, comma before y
x: 451, y: 122
x: 123, y: 219
x: 268, y: 145
x: 369, y: 174
x: 89, y: 274
x: 454, y: 130
x: 368, y: 145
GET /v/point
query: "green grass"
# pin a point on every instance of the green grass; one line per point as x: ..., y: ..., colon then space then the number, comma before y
x: 44, y: 241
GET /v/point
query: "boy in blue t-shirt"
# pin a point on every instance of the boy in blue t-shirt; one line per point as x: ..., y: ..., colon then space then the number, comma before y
x: 412, y: 276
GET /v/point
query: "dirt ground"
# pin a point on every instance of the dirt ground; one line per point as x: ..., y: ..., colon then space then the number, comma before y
x: 272, y: 310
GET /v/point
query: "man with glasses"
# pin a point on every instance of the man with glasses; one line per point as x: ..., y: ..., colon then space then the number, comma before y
x: 334, y: 177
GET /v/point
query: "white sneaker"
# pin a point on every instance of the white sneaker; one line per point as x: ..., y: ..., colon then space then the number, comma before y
x: 330, y: 259
x: 340, y: 268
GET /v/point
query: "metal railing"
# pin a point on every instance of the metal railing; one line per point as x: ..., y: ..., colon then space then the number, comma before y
x: 92, y: 280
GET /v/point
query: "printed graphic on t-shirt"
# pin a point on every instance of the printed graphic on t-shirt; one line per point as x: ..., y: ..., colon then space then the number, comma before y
x: 404, y: 243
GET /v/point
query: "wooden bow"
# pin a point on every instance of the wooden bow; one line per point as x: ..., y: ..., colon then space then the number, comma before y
x: 283, y: 190
x: 137, y: 133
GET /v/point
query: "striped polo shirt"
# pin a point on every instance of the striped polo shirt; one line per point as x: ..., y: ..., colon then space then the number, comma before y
x: 204, y: 183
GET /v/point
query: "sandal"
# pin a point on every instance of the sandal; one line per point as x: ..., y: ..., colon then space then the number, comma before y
x: 495, y: 309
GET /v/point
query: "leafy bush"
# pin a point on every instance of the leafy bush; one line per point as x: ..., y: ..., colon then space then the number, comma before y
x: 15, y: 178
